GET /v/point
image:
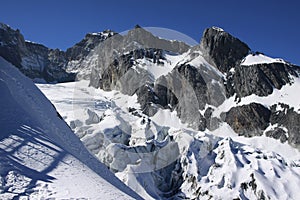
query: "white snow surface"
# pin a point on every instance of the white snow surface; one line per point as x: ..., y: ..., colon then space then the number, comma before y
x: 253, y: 59
x: 41, y: 158
x: 217, y: 28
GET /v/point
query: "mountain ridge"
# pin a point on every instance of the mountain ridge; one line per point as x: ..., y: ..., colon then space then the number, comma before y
x: 209, y: 121
x: 54, y: 65
x: 220, y: 67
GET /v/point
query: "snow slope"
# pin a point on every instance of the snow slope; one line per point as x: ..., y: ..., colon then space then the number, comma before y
x: 40, y: 156
x: 253, y: 59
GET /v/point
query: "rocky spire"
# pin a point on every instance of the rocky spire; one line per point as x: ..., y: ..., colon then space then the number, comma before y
x: 222, y: 49
x: 137, y: 26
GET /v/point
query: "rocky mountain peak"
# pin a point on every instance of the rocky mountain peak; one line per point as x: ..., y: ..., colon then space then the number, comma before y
x: 89, y: 42
x: 137, y: 26
x: 34, y: 60
x: 217, y: 29
x: 159, y: 91
x: 148, y: 40
x: 101, y: 35
x: 221, y: 49
x: 4, y: 26
x: 11, y: 44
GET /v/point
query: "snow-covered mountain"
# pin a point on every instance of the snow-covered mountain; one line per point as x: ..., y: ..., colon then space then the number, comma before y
x: 159, y: 157
x: 47, y: 65
x: 41, y: 157
x: 196, y: 82
x: 43, y: 64
x: 216, y: 120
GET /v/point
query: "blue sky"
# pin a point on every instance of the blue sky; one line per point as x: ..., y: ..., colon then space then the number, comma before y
x: 272, y: 27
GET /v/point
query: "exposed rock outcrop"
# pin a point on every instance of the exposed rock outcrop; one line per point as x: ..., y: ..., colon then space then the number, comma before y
x: 279, y: 122
x: 193, y: 86
x: 34, y: 60
x: 51, y: 65
x: 89, y: 42
x: 286, y: 117
x: 259, y: 79
x: 248, y: 120
x: 121, y: 51
x: 221, y: 49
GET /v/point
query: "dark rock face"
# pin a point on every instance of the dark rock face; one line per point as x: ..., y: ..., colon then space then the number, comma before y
x: 277, y: 133
x: 288, y: 118
x: 120, y: 75
x: 253, y: 119
x: 248, y: 120
x: 259, y: 79
x: 226, y: 53
x: 38, y: 61
x: 249, y: 80
x: 188, y: 89
x: 165, y: 97
x: 222, y: 50
x: 55, y: 69
x: 114, y: 72
x: 81, y: 57
x: 147, y: 97
x: 34, y: 60
x: 196, y: 81
x: 84, y: 47
x: 11, y: 44
x: 212, y: 123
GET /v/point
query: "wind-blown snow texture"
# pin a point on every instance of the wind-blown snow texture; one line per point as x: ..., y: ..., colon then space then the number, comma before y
x: 40, y: 156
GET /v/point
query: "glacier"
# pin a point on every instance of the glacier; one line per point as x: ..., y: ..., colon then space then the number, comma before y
x: 170, y: 121
x: 139, y: 150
